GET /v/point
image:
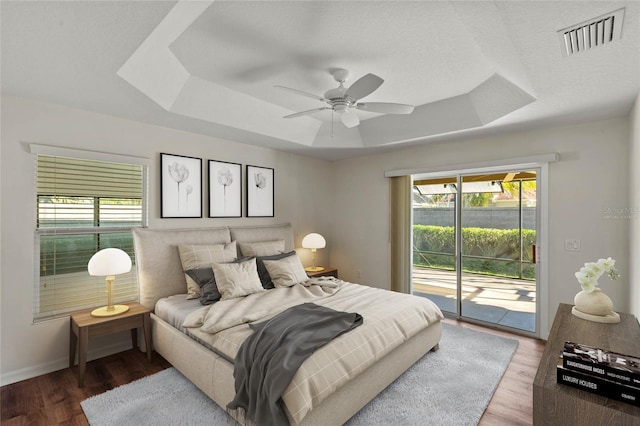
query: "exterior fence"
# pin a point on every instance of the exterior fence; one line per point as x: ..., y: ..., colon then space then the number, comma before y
x: 477, y: 217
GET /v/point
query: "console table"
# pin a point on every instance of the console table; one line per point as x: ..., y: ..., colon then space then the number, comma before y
x: 557, y: 404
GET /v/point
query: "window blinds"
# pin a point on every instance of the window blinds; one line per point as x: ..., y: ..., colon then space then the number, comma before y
x: 83, y: 206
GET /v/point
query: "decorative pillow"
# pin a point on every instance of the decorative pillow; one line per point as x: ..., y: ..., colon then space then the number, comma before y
x: 237, y: 279
x: 196, y: 256
x: 265, y: 279
x: 286, y: 272
x: 208, y: 290
x: 262, y: 248
x: 206, y: 280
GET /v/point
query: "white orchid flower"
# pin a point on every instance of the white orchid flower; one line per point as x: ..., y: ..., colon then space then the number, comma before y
x: 589, y: 274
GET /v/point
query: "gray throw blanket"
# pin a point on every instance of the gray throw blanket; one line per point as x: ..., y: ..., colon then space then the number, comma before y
x: 269, y: 358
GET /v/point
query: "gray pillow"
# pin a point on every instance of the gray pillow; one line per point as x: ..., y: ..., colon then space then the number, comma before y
x: 206, y: 281
x: 265, y: 279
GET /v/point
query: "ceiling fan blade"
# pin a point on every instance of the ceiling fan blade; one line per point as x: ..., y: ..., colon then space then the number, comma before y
x: 386, y: 107
x: 364, y: 86
x: 307, y: 112
x: 350, y: 119
x: 300, y: 92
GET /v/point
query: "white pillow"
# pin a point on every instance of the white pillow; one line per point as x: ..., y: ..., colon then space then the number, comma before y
x: 196, y: 256
x: 262, y: 248
x: 286, y: 272
x: 237, y: 279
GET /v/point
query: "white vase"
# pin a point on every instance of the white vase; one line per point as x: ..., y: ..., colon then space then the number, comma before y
x: 594, y: 306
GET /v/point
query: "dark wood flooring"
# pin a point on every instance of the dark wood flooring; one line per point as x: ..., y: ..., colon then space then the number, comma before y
x: 54, y: 398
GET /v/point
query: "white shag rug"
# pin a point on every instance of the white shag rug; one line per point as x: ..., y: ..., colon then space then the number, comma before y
x: 452, y: 386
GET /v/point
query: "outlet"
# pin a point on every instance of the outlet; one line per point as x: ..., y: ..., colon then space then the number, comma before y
x: 572, y: 245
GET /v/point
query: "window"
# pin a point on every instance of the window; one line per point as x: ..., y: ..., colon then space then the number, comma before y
x: 83, y: 205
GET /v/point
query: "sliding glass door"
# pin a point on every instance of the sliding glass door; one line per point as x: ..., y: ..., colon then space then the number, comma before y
x: 474, y: 242
x: 434, y: 241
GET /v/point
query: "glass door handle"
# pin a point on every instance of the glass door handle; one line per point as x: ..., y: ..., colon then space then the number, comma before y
x: 533, y: 253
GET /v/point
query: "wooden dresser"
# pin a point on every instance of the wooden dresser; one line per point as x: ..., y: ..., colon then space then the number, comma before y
x: 557, y: 404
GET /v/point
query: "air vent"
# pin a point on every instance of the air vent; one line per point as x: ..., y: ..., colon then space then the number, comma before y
x: 590, y: 34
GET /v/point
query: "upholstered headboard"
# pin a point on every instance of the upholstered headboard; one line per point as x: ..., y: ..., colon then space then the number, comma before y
x: 158, y: 263
x: 259, y: 233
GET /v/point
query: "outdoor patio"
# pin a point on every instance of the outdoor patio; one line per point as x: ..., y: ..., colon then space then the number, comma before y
x: 504, y: 301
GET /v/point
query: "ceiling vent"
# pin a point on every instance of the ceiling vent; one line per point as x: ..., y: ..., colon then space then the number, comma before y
x: 592, y: 33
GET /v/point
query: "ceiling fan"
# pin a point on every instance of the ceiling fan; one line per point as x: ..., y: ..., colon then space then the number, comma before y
x: 345, y: 101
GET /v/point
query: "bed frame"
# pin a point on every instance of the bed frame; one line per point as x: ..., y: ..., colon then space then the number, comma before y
x: 160, y: 275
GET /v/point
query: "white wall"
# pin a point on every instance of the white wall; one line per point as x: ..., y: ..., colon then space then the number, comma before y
x: 346, y: 201
x: 634, y: 211
x: 29, y: 349
x: 590, y: 178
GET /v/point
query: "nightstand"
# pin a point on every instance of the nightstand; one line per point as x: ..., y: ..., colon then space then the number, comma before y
x: 327, y: 272
x: 83, y: 326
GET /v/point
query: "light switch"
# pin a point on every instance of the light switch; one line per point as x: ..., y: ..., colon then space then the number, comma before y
x: 572, y: 245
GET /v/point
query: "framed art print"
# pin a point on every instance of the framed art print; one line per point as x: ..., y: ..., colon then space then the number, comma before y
x: 260, y: 191
x: 180, y: 186
x: 225, y: 189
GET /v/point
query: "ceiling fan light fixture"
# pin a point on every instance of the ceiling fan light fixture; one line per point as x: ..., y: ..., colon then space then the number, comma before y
x: 340, y: 107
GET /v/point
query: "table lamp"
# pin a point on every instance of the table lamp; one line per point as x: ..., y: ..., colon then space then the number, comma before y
x: 108, y: 263
x: 314, y: 241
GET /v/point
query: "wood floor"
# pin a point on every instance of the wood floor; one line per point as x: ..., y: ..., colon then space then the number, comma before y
x: 54, y: 398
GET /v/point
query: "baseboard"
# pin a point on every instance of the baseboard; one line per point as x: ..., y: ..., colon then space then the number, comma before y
x: 61, y: 363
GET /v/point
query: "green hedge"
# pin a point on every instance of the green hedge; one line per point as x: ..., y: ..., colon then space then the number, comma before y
x: 488, y: 243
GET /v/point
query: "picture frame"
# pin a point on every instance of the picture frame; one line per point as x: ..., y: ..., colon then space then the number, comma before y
x: 180, y: 186
x: 260, y: 191
x: 225, y: 189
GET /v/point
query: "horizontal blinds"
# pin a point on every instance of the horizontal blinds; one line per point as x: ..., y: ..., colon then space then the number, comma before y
x: 63, y: 284
x: 83, y: 206
x: 80, y: 178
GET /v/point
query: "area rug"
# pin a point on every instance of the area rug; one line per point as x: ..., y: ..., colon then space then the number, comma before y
x: 452, y: 386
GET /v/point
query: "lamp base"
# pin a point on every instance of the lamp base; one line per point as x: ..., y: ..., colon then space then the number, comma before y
x: 106, y: 312
x: 314, y: 268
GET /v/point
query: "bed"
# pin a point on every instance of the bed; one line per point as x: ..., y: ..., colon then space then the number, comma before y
x: 205, y: 358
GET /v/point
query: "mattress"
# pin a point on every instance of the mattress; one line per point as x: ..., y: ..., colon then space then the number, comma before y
x: 174, y: 309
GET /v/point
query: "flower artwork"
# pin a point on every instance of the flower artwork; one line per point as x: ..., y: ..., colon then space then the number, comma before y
x: 225, y: 189
x: 589, y: 274
x: 260, y: 182
x: 179, y: 173
x: 260, y: 191
x: 181, y: 186
x: 225, y: 179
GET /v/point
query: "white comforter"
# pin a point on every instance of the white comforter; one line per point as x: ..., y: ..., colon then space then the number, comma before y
x: 258, y: 306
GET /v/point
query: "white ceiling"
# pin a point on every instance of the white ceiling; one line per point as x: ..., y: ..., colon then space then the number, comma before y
x: 207, y: 67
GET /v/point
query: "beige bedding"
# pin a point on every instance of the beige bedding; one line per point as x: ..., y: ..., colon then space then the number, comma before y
x: 390, y: 319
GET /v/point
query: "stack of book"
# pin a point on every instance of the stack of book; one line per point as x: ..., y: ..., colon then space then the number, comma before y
x: 606, y: 373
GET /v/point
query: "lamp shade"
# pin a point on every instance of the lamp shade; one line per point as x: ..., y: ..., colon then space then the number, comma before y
x: 109, y: 261
x: 314, y: 241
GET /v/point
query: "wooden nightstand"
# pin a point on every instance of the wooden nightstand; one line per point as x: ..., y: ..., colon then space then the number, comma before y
x: 327, y: 272
x: 83, y: 326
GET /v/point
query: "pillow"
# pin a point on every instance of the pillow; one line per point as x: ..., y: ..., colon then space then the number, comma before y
x: 237, y: 279
x: 205, y: 278
x: 208, y: 290
x: 196, y: 256
x: 265, y: 279
x: 286, y: 272
x: 263, y: 248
